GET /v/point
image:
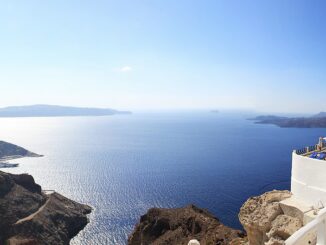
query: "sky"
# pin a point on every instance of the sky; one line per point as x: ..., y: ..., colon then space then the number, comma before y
x: 164, y: 54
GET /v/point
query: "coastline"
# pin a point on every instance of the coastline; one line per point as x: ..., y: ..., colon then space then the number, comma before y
x: 49, y: 169
x: 315, y: 121
x: 5, y: 161
x: 14, y: 157
x: 24, y: 207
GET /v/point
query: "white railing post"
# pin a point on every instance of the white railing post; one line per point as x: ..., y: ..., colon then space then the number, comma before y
x: 321, y: 232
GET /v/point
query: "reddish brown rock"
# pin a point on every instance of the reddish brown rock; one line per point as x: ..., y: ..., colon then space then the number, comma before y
x: 161, y: 226
x: 30, y: 217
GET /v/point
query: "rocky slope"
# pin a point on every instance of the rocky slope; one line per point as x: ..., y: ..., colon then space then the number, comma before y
x: 265, y: 221
x: 179, y: 225
x: 29, y: 216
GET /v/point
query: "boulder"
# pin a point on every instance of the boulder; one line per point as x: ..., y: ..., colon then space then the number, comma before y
x: 257, y: 213
x: 264, y: 220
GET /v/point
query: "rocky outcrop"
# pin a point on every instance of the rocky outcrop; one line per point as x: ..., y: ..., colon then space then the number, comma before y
x: 11, y: 151
x: 268, y: 219
x: 282, y: 227
x: 179, y: 225
x: 264, y: 220
x: 29, y: 216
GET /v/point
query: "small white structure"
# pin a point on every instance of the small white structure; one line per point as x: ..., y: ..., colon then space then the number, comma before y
x: 193, y: 242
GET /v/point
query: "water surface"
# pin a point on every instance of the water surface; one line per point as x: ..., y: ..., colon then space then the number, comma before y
x: 124, y: 164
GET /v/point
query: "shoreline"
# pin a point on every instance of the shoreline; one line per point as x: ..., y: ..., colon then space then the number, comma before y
x: 5, y: 161
x: 21, y: 223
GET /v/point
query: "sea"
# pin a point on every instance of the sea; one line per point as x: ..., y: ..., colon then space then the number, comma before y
x: 122, y: 165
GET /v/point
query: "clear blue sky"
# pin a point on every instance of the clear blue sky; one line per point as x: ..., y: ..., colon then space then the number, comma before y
x: 164, y: 54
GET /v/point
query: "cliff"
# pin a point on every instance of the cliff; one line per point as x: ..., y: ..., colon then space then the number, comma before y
x: 267, y: 221
x: 29, y: 216
x: 161, y: 226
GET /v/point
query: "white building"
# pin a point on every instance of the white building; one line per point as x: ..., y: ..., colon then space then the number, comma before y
x: 308, y: 186
x: 308, y: 183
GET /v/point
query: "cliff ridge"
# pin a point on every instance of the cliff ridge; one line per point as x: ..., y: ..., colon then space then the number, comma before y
x: 29, y: 216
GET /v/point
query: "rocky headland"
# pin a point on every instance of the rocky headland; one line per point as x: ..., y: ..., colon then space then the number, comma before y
x: 160, y: 226
x: 10, y: 151
x: 315, y: 121
x: 29, y: 216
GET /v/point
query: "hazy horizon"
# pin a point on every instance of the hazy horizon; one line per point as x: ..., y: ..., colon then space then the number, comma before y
x: 244, y: 112
x: 164, y: 55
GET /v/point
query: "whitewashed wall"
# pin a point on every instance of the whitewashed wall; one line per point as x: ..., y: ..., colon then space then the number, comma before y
x: 308, y: 181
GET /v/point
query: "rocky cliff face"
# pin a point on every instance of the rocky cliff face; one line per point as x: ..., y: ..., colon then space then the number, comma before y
x: 265, y: 221
x: 28, y: 216
x: 179, y: 225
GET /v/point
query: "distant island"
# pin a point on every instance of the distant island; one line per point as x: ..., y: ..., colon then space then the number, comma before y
x: 56, y: 111
x: 315, y: 121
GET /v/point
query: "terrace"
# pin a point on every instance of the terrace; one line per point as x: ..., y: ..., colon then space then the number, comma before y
x: 317, y: 151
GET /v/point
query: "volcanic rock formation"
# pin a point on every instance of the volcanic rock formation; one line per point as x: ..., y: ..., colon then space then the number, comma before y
x: 29, y: 216
x: 265, y: 221
x: 161, y: 226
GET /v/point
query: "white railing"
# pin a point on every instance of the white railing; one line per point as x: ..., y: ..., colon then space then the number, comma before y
x: 317, y: 225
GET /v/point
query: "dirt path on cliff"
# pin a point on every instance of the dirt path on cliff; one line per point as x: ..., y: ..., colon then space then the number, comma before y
x: 31, y: 216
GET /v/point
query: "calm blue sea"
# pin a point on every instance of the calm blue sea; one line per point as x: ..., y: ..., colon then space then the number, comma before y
x: 123, y: 165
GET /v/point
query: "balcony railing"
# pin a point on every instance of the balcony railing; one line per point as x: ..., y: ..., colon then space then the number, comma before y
x: 318, y: 226
x: 309, y: 149
x: 306, y: 150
